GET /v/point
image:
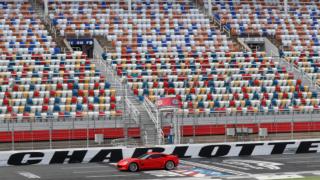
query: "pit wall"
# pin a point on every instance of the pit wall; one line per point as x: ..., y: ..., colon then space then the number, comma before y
x: 114, y: 154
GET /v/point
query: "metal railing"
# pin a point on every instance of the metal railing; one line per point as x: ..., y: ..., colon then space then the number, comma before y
x: 153, y: 113
x: 74, y: 132
x: 298, y: 72
x: 133, y: 111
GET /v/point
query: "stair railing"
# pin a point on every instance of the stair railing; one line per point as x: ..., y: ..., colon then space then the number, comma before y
x: 153, y: 113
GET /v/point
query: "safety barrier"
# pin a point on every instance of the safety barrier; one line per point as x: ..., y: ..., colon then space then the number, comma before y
x: 114, y: 154
x: 187, y: 130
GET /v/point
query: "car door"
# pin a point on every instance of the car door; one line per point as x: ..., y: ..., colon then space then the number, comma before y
x: 154, y: 161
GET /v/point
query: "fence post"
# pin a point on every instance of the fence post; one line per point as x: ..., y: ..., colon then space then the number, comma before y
x: 225, y: 128
x: 292, y: 124
x: 311, y: 124
x: 50, y: 132
x: 31, y: 131
x: 255, y: 119
x: 87, y: 132
x: 12, y: 136
x: 193, y: 127
x: 274, y: 123
x: 181, y: 130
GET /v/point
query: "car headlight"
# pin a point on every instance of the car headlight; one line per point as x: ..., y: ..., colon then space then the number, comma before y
x: 125, y: 162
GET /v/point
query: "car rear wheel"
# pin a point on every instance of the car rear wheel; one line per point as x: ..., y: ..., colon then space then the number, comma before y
x: 169, y: 165
x: 133, y: 167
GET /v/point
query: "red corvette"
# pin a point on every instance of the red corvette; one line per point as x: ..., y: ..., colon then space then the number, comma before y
x: 149, y: 161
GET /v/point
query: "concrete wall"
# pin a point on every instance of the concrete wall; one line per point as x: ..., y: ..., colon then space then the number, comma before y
x: 114, y: 154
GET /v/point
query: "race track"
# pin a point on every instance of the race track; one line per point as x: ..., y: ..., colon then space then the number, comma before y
x: 255, y: 168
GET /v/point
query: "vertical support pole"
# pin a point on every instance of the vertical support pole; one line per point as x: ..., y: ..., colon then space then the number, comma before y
x: 225, y: 127
x: 31, y: 131
x: 193, y: 127
x: 12, y: 136
x: 87, y: 132
x: 126, y: 113
x: 286, y: 7
x: 259, y: 125
x: 129, y: 6
x: 180, y: 128
x: 292, y: 124
x: 158, y: 126
x: 50, y: 132
x: 46, y: 10
x: 177, y: 127
x: 209, y: 8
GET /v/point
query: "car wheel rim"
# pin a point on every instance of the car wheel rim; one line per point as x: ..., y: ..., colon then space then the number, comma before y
x: 170, y: 165
x: 133, y: 167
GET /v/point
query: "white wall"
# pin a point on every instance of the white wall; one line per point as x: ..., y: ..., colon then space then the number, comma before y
x: 114, y: 154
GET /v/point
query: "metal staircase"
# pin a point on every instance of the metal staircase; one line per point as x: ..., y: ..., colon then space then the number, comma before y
x: 135, y: 111
x: 61, y: 42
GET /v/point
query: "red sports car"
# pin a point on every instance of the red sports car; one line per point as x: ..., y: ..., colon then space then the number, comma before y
x: 152, y: 160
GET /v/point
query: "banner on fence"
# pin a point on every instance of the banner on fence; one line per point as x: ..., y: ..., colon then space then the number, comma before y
x: 114, y: 154
x: 168, y: 102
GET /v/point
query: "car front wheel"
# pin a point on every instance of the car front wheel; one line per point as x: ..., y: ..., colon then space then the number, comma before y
x: 169, y: 165
x: 133, y: 167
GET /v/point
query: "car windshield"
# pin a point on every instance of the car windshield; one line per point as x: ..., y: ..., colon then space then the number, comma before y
x: 144, y: 156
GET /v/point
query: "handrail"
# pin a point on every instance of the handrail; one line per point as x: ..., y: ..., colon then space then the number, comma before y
x: 153, y: 113
x: 134, y: 111
x: 241, y: 41
x: 67, y: 45
x: 301, y: 73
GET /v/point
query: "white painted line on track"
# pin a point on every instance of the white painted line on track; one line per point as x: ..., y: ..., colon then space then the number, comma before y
x: 112, y: 175
x: 163, y: 173
x: 231, y: 166
x: 316, y: 173
x: 278, y: 176
x: 296, y: 162
x: 28, y: 175
x: 188, y: 178
x: 237, y: 177
x: 272, y: 176
x: 313, y: 166
x: 215, y: 168
x: 85, y: 167
x: 94, y: 171
x: 285, y: 158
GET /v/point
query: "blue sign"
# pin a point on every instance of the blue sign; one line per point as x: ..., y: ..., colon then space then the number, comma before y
x: 80, y: 41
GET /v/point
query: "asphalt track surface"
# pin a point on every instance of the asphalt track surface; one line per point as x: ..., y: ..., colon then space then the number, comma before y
x: 255, y: 168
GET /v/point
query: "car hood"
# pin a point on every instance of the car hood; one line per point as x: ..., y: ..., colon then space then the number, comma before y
x: 127, y: 160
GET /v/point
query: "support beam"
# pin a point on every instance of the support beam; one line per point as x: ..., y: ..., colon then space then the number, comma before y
x: 45, y: 7
x: 286, y: 7
x: 129, y: 6
x: 210, y: 8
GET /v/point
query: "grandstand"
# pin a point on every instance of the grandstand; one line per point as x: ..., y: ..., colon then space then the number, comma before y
x: 146, y: 51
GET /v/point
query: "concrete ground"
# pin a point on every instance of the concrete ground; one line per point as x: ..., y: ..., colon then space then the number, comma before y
x: 251, y: 168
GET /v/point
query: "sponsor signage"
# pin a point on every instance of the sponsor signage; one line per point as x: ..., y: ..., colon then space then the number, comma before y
x: 168, y: 102
x: 114, y: 154
x: 74, y: 42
